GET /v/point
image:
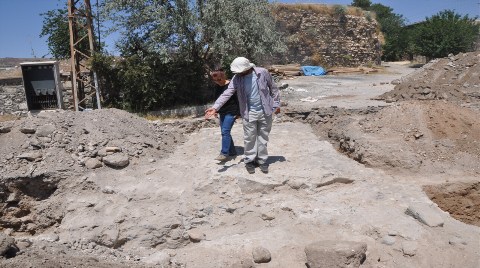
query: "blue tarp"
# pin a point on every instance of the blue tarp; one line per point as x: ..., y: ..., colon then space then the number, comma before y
x: 313, y: 70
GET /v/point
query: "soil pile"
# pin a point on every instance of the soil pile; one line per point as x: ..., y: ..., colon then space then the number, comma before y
x: 69, y: 143
x: 66, y: 142
x: 432, y: 131
x: 454, y: 78
x: 433, y: 136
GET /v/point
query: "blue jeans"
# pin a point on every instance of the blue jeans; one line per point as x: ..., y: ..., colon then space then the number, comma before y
x: 226, y: 124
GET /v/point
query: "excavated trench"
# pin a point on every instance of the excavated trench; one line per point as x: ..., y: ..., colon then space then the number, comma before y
x: 21, y: 200
x: 27, y: 207
x: 461, y: 200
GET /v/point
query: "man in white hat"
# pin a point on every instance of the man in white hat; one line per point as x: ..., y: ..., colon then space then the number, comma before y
x: 259, y: 98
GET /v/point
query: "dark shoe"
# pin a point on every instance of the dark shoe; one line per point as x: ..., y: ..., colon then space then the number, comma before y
x: 250, y: 167
x: 264, y: 168
x: 222, y: 158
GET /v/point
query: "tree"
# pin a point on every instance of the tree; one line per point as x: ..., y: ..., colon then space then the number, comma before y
x: 167, y: 47
x: 391, y: 25
x: 55, y: 27
x: 365, y: 4
x: 444, y: 33
x: 211, y: 31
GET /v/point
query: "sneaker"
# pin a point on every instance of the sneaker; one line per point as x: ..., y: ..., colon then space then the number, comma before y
x: 222, y: 158
x: 250, y: 167
x: 264, y: 168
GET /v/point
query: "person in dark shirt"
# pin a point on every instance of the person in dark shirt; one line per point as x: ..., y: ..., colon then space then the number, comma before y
x: 228, y: 113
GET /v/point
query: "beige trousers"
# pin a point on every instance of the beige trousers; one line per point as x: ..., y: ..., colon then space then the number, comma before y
x: 255, y: 137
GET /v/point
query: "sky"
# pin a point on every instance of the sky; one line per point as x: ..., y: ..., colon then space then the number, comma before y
x: 21, y: 22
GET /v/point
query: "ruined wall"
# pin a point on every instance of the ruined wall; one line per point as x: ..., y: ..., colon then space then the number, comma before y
x: 12, y: 97
x: 328, y: 36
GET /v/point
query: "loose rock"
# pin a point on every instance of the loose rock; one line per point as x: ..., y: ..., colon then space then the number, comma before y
x: 425, y: 214
x: 261, y: 255
x: 161, y: 259
x: 93, y: 163
x: 196, y: 235
x: 32, y: 156
x: 388, y: 240
x: 6, y: 243
x: 116, y: 160
x: 28, y: 130
x: 409, y: 248
x: 45, y: 130
x: 326, y: 254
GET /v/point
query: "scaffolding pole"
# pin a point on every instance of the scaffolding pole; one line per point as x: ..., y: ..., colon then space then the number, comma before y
x: 84, y: 81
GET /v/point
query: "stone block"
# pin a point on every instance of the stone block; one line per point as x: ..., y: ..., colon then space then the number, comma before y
x: 425, y: 214
x: 342, y: 254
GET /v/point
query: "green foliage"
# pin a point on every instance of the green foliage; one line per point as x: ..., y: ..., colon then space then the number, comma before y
x: 107, y: 72
x: 340, y: 10
x: 167, y: 46
x: 144, y: 83
x: 368, y: 15
x: 230, y: 29
x: 209, y: 30
x: 391, y: 23
x: 445, y: 33
x: 391, y: 26
x: 365, y: 4
x: 55, y: 26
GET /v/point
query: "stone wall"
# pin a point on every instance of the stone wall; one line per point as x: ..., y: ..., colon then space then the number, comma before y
x: 12, y: 97
x: 335, y: 38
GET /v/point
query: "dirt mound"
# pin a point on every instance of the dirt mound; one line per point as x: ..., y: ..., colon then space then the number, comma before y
x: 433, y: 136
x: 454, y: 78
x: 42, y: 150
x: 70, y: 142
x: 64, y: 141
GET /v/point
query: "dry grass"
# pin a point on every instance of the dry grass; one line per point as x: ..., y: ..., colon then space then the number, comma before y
x: 8, y: 117
x: 321, y: 8
x: 153, y: 117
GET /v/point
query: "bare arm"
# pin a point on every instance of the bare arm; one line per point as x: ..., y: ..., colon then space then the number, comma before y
x: 221, y: 100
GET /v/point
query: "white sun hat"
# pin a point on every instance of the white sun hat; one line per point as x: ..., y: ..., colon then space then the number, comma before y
x: 240, y: 65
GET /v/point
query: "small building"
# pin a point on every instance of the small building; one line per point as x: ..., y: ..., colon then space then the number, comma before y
x: 43, y: 88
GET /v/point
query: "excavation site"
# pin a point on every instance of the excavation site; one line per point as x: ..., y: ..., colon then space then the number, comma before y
x: 375, y: 169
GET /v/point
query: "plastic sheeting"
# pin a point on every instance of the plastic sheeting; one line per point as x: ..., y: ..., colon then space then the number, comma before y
x: 313, y: 71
